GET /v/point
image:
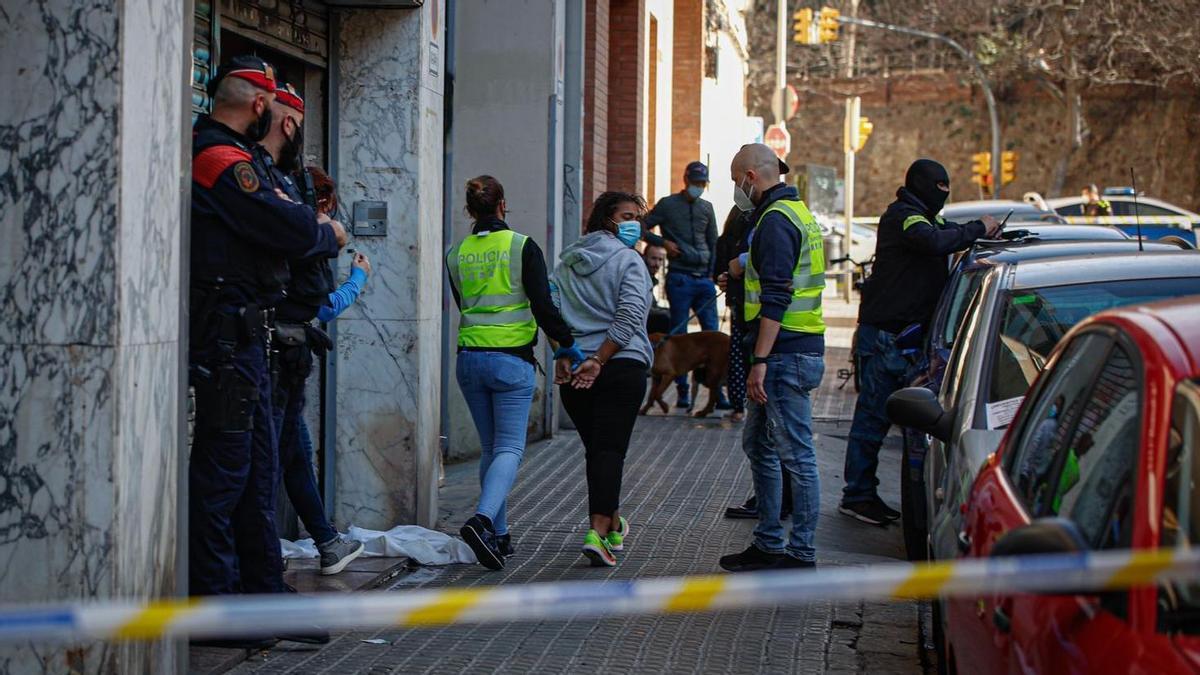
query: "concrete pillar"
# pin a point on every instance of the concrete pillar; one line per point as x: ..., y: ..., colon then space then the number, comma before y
x: 388, y: 74
x: 508, y: 122
x: 92, y: 140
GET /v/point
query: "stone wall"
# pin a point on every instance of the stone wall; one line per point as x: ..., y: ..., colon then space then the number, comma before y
x: 389, y: 91
x: 90, y: 154
x: 944, y: 118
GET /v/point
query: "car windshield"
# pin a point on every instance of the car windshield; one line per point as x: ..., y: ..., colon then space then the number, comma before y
x: 1179, y: 603
x: 1033, y: 320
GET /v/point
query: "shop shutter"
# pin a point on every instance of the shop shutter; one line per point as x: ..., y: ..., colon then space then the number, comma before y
x: 205, y: 57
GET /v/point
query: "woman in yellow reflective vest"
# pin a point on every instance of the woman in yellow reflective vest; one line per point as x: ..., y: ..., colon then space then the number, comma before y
x: 499, y: 282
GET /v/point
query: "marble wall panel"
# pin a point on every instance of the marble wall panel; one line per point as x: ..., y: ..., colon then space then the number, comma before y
x: 58, y: 127
x: 390, y: 149
x: 90, y: 152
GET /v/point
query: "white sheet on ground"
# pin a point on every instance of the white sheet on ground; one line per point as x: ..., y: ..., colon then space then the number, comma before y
x: 427, y: 547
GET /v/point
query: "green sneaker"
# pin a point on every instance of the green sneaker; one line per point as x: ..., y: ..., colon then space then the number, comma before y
x: 597, y: 550
x: 616, y: 538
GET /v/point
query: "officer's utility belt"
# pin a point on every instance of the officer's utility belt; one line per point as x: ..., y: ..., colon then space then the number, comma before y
x: 289, y: 334
x: 244, y: 325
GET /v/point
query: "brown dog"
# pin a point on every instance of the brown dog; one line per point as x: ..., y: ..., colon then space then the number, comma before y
x: 676, y: 355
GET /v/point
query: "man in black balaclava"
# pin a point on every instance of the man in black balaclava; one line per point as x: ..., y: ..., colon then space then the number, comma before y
x: 910, y: 270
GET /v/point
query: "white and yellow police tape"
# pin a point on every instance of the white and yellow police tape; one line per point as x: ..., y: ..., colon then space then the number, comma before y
x: 268, y: 615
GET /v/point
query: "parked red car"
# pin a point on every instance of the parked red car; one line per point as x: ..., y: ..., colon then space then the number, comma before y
x: 1103, y: 454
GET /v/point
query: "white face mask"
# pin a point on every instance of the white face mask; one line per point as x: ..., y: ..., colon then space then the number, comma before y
x: 741, y: 198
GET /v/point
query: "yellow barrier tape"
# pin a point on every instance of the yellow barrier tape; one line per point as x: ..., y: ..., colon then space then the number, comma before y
x: 152, y: 620
x: 1142, y: 565
x: 696, y: 594
x: 444, y: 609
x: 926, y: 581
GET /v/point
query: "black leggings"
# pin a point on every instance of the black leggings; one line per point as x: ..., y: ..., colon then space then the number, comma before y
x: 604, y: 416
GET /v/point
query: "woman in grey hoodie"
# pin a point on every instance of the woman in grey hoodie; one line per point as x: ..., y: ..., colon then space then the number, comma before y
x: 603, y: 291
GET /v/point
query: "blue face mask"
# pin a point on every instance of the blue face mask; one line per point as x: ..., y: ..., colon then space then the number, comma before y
x: 694, y: 191
x: 629, y: 232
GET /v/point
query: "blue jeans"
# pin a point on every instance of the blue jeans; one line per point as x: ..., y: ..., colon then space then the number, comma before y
x: 295, y: 447
x: 777, y: 440
x: 499, y: 389
x: 884, y: 370
x: 686, y: 293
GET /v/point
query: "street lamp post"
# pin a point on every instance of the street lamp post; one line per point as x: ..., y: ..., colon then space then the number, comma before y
x: 975, y: 66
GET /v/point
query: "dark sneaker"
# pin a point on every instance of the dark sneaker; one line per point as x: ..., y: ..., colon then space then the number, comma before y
x: 892, y: 514
x: 684, y: 402
x: 867, y: 512
x: 252, y: 644
x: 790, y: 563
x: 338, y: 553
x: 747, y: 511
x: 480, y: 536
x: 308, y: 636
x: 753, y: 558
x: 504, y: 545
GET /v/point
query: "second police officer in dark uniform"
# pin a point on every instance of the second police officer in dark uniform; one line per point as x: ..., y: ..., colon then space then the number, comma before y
x: 243, y: 232
x: 296, y: 338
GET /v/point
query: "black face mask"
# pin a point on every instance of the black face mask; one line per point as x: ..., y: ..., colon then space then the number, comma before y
x: 292, y: 154
x: 922, y: 179
x: 259, y: 129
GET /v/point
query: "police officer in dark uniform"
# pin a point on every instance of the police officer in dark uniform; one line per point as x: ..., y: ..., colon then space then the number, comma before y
x: 911, y: 268
x: 296, y: 337
x: 243, y: 233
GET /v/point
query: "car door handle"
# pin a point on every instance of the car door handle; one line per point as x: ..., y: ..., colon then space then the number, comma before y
x: 1000, y: 618
x: 964, y: 542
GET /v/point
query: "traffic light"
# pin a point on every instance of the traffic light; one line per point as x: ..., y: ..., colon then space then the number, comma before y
x: 1008, y: 167
x: 981, y: 170
x: 865, y: 127
x: 802, y: 26
x: 827, y: 25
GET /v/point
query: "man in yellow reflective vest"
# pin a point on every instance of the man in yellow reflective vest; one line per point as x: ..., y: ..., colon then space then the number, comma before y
x: 785, y: 337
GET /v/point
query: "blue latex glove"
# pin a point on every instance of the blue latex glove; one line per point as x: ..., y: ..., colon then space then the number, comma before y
x: 573, y: 352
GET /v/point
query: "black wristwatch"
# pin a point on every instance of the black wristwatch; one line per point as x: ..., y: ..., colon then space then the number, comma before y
x: 755, y: 360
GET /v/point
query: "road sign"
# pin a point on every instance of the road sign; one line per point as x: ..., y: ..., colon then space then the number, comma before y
x: 778, y: 139
x: 791, y: 101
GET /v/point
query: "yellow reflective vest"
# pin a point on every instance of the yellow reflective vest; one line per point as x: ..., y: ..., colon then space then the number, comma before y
x: 486, y: 268
x: 803, y: 315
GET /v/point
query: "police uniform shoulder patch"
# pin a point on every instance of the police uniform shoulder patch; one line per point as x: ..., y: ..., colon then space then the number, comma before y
x: 211, y: 162
x: 247, y: 179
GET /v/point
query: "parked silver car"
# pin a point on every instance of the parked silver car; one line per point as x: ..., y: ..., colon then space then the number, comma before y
x: 1014, y: 318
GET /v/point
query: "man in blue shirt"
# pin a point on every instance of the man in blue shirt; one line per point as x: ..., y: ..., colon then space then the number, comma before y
x: 689, y: 233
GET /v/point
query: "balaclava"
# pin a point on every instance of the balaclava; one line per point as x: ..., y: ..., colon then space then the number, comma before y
x: 922, y: 179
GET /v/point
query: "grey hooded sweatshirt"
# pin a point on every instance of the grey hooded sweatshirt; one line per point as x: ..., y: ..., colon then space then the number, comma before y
x: 602, y: 289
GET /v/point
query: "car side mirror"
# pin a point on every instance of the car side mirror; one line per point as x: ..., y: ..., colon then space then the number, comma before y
x: 1044, y: 535
x: 918, y: 408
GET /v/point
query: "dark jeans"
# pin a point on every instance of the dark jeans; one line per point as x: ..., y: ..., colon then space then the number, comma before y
x: 295, y: 454
x: 884, y: 370
x: 232, y: 476
x: 686, y: 293
x: 604, y: 415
